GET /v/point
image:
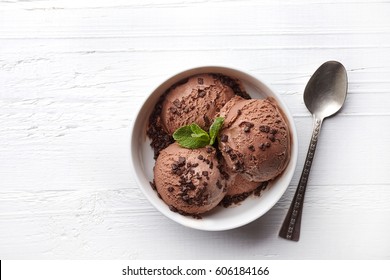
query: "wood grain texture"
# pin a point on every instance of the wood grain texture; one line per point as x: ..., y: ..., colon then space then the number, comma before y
x: 74, y: 73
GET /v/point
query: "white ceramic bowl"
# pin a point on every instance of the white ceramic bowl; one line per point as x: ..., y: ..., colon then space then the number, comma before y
x: 220, y: 218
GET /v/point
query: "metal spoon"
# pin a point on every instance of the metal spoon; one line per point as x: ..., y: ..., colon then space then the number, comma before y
x: 324, y: 96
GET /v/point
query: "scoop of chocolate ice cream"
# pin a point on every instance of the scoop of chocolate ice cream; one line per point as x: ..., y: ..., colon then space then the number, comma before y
x: 255, y: 138
x: 188, y: 180
x: 238, y: 185
x: 197, y: 100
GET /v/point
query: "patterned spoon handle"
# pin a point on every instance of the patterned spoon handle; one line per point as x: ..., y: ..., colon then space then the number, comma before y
x: 291, y: 227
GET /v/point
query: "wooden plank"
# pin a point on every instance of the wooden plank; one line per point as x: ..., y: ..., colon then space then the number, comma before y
x: 104, y: 225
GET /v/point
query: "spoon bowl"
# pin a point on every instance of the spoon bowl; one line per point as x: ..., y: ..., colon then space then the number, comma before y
x: 326, y: 90
x: 324, y: 95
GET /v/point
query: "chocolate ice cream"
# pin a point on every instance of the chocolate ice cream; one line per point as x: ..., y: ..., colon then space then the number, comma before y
x: 188, y: 180
x: 253, y: 144
x: 196, y: 101
x: 255, y: 139
x: 238, y: 187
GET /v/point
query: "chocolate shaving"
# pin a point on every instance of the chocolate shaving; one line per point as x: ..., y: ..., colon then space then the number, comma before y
x: 224, y: 138
x: 264, y: 128
x: 201, y: 93
x: 177, y: 103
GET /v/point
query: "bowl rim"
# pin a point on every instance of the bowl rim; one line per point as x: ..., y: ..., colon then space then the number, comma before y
x: 161, y: 87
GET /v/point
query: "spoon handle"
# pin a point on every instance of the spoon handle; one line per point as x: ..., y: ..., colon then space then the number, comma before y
x: 291, y: 227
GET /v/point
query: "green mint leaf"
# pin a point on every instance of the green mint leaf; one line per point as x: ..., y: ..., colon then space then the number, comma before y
x: 214, y: 129
x: 198, y: 131
x: 191, y: 136
x: 201, y: 136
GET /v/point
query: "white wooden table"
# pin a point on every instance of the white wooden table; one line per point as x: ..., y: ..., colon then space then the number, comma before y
x: 72, y: 75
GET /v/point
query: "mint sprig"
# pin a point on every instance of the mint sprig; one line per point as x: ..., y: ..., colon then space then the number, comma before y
x: 214, y: 129
x: 192, y: 136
